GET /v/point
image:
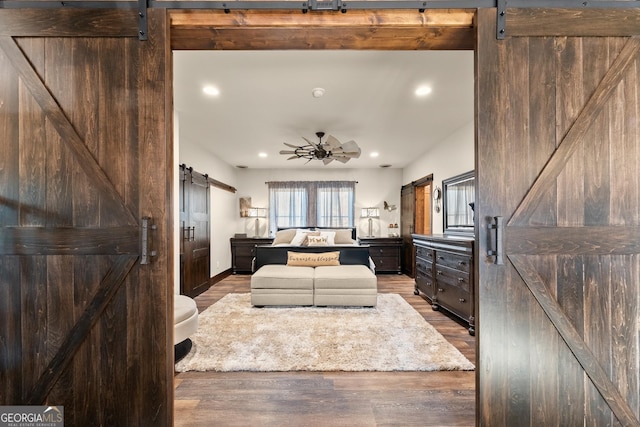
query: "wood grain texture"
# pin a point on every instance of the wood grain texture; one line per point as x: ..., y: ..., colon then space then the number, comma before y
x: 81, y: 106
x: 573, y: 22
x: 68, y: 23
x: 577, y: 240
x: 535, y: 93
x: 575, y: 136
x: 358, y: 29
x: 492, y: 321
x: 62, y: 125
x: 575, y: 342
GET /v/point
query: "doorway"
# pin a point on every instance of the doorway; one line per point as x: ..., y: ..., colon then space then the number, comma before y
x: 398, y: 30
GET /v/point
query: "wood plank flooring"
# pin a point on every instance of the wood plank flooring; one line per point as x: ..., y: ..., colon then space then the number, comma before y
x: 331, y: 398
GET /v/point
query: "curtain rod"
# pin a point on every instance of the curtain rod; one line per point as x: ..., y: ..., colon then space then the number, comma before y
x: 329, y: 180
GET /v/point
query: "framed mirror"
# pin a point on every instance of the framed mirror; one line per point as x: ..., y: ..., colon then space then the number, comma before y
x: 458, y: 200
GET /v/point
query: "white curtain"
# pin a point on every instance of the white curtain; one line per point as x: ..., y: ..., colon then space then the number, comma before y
x: 335, y: 204
x: 459, y: 197
x: 311, y: 203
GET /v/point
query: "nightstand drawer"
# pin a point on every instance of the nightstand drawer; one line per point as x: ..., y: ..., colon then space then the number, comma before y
x: 385, y: 263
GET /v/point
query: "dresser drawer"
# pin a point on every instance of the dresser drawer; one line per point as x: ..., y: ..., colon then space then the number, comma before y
x: 455, y: 300
x: 452, y: 277
x: 459, y: 262
x: 424, y: 253
x: 425, y: 283
x: 423, y: 266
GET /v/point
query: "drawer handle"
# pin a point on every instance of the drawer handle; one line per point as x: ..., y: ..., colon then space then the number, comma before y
x: 440, y: 290
x: 461, y: 300
x: 440, y: 257
x: 460, y: 279
x: 439, y: 272
x: 428, y: 283
x: 462, y: 263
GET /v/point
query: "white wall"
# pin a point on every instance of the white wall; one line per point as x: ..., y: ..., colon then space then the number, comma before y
x: 451, y: 157
x: 223, y: 204
x: 374, y: 187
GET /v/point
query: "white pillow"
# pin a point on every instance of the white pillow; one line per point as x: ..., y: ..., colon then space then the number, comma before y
x: 330, y: 235
x: 298, y: 239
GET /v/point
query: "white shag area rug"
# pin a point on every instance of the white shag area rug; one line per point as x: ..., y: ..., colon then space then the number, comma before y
x: 234, y: 336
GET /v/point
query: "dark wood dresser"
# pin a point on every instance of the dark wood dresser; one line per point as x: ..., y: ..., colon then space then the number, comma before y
x: 385, y: 253
x: 243, y: 250
x: 444, y: 274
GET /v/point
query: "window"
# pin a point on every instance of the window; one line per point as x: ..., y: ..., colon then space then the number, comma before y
x: 311, y: 203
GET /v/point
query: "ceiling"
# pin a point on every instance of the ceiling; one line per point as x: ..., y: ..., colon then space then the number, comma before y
x: 266, y: 99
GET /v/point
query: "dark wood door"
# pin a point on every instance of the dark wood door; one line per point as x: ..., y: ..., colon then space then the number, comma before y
x: 84, y: 321
x: 557, y: 159
x: 194, y: 218
x: 407, y: 221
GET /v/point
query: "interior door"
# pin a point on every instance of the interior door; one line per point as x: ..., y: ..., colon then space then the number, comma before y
x: 407, y: 219
x: 195, y: 233
x: 557, y: 161
x: 86, y: 320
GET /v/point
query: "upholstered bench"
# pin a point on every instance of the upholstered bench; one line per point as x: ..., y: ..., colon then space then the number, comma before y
x: 282, y: 285
x: 345, y: 285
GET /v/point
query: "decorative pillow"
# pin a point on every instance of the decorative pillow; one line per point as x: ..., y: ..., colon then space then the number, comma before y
x: 330, y: 236
x: 302, y: 259
x: 317, y: 240
x: 284, y: 236
x: 343, y: 237
x: 298, y: 239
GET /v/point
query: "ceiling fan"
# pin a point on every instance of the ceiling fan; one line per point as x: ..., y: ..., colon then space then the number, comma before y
x: 326, y: 151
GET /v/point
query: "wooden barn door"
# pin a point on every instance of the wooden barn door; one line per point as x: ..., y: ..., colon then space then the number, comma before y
x: 85, y: 321
x: 196, y: 244
x: 558, y: 159
x: 407, y: 221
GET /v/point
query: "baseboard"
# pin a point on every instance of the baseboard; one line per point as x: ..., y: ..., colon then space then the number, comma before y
x: 219, y: 277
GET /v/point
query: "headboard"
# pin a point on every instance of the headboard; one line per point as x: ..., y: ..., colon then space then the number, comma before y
x: 353, y: 229
x: 349, y: 255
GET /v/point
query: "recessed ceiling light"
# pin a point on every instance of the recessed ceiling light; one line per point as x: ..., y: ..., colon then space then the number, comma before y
x: 211, y: 90
x: 317, y: 92
x: 374, y: 154
x: 262, y: 154
x: 423, y: 91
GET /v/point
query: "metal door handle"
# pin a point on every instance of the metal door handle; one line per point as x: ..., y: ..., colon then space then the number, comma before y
x: 497, y: 253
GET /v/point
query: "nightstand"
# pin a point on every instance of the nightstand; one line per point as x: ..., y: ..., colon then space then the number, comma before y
x: 385, y: 253
x: 243, y: 250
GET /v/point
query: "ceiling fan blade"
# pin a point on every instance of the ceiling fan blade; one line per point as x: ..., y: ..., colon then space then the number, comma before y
x: 327, y: 160
x: 290, y: 145
x: 311, y: 143
x: 287, y: 152
x: 352, y: 148
x: 292, y: 157
x: 342, y: 159
x: 332, y: 142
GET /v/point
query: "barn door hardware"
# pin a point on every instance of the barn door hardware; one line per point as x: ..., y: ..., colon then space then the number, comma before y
x: 501, y: 19
x: 143, y: 5
x: 496, y: 225
x: 145, y: 252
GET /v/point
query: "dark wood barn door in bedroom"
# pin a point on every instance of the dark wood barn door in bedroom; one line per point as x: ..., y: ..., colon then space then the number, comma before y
x: 195, y: 241
x: 558, y: 159
x: 84, y: 322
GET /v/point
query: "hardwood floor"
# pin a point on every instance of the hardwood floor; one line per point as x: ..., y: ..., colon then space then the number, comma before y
x: 331, y: 398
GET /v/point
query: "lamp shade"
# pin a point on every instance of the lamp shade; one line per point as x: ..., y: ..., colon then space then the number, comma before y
x: 257, y: 212
x: 370, y: 213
